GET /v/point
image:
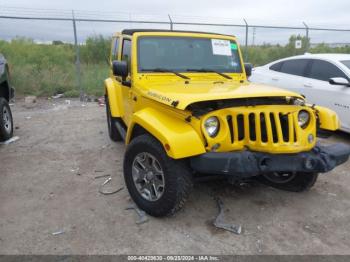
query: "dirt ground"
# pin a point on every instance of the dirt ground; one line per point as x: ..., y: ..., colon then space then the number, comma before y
x: 48, y: 185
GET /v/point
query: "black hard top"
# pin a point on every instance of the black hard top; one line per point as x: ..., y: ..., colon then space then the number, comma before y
x: 132, y: 31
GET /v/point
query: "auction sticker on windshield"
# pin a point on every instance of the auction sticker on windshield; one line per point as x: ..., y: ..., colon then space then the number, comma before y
x: 221, y: 47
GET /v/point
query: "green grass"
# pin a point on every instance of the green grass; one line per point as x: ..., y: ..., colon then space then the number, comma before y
x: 45, y: 70
x: 93, y: 76
x: 28, y: 80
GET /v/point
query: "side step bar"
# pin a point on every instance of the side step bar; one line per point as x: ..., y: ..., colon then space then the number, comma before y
x: 121, y: 129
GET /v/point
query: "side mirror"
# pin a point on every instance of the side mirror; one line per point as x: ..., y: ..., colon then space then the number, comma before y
x: 339, y: 81
x: 120, y: 68
x: 248, y: 69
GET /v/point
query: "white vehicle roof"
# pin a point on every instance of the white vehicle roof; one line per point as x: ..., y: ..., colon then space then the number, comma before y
x: 332, y: 57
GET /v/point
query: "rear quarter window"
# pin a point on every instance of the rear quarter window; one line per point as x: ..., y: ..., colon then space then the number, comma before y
x: 126, y: 51
x: 276, y: 67
x: 115, y: 47
x: 295, y: 67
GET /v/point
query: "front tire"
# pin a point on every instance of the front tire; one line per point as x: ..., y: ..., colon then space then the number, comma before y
x: 157, y: 183
x: 6, y: 121
x: 297, y: 182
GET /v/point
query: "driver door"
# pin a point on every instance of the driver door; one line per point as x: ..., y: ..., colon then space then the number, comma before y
x: 126, y: 85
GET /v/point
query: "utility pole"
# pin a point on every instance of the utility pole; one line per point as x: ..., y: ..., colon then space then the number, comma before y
x: 307, y: 37
x: 253, y: 42
x: 130, y: 26
x: 246, y: 40
x: 77, y: 58
x: 171, y: 23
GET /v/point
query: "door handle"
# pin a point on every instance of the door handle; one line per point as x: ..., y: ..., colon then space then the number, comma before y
x: 275, y: 78
x: 308, y: 85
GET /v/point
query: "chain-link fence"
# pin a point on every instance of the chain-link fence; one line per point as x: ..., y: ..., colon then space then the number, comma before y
x: 72, y: 29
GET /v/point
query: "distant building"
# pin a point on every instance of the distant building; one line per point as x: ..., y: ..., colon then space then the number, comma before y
x: 332, y: 45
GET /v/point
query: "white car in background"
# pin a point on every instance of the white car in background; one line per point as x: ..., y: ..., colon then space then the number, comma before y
x: 324, y: 79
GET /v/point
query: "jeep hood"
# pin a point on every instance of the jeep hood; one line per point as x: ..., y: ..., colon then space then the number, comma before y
x: 182, y: 95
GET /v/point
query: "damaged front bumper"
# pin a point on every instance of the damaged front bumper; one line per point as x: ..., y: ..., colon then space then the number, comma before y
x: 245, y: 164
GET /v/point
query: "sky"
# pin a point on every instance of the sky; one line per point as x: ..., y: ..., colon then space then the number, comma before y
x: 316, y: 13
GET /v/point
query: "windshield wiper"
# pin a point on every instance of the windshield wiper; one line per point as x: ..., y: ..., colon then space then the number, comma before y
x: 205, y: 70
x: 164, y: 70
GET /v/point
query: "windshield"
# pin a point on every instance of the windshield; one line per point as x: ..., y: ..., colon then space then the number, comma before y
x: 346, y: 63
x: 184, y: 54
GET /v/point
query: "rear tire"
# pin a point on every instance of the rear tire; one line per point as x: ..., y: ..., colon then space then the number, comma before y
x: 297, y: 182
x: 157, y: 183
x: 113, y: 132
x: 6, y: 121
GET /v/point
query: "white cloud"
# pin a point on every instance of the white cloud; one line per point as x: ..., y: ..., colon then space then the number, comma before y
x: 316, y: 13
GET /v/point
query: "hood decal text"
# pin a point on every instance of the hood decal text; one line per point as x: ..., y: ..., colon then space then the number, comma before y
x: 159, y: 97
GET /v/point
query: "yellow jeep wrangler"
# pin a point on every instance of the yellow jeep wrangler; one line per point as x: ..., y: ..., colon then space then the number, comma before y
x: 182, y: 104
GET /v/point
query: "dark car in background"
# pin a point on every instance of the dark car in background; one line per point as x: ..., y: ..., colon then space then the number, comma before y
x: 6, y: 94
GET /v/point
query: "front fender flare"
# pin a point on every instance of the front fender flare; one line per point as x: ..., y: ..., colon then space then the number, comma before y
x: 328, y: 119
x: 178, y: 137
x: 114, y: 94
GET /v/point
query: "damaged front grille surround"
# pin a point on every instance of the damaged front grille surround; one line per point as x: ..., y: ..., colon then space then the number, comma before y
x: 263, y: 128
x: 204, y: 107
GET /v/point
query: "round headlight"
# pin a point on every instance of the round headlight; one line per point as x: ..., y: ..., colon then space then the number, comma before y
x: 212, y: 126
x: 303, y: 118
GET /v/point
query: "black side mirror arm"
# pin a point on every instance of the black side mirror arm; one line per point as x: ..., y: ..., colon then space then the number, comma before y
x: 126, y: 83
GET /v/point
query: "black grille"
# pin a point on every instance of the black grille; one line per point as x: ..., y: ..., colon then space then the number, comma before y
x: 283, y: 120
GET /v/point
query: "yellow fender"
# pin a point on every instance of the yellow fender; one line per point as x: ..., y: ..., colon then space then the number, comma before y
x: 114, y: 93
x: 328, y: 118
x: 178, y: 137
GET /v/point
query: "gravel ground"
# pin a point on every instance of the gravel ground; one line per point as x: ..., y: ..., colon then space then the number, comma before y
x: 48, y: 185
